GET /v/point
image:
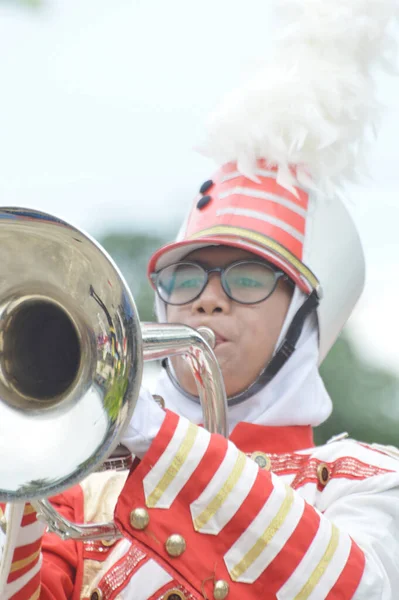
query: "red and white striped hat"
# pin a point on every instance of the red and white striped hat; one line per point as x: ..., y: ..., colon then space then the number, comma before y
x: 287, y: 142
x: 315, y: 243
x: 260, y: 216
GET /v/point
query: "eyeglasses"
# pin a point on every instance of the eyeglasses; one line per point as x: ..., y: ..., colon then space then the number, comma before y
x: 246, y: 281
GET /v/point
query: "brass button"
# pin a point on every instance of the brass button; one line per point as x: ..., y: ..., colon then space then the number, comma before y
x: 262, y: 460
x: 174, y: 594
x: 220, y: 590
x: 110, y: 542
x: 159, y: 400
x: 139, y: 518
x: 175, y: 545
x: 96, y: 594
x: 323, y: 474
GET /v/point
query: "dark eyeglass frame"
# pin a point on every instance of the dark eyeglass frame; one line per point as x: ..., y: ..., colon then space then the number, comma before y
x: 278, y: 275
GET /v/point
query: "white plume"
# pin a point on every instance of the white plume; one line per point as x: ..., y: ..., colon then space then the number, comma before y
x: 313, y: 104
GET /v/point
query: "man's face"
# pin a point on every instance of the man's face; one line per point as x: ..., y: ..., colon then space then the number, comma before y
x: 246, y: 334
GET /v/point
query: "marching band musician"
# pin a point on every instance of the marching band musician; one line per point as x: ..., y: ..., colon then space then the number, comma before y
x: 270, y: 260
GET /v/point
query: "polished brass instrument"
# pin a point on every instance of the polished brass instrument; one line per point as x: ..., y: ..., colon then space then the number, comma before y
x: 71, y: 361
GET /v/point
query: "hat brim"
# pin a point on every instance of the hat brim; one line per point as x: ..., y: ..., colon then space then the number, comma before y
x: 176, y: 251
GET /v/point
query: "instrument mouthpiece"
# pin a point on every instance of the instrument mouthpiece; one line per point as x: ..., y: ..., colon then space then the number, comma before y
x: 208, y: 335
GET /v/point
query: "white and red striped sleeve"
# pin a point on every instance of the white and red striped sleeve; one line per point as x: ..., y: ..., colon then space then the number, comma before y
x: 246, y: 527
x: 34, y: 564
x: 21, y: 558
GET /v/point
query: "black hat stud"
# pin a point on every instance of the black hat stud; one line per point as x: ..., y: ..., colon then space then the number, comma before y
x: 204, y: 201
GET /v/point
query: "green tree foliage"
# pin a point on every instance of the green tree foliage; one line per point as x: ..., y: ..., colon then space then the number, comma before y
x: 365, y: 398
x: 131, y: 253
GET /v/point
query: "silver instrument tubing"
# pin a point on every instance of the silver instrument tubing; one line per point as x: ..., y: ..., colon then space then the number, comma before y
x: 162, y: 340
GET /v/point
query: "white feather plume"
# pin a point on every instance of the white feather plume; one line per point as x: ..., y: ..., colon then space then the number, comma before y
x: 313, y: 104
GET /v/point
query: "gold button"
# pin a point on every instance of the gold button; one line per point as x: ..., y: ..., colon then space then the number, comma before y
x: 110, y: 542
x: 139, y: 518
x: 323, y: 474
x: 262, y: 460
x: 221, y: 589
x: 174, y: 594
x: 175, y: 545
x: 96, y: 594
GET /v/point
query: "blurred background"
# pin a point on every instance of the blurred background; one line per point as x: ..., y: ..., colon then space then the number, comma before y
x: 101, y: 105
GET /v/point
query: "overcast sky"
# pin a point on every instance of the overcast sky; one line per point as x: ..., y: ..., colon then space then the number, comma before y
x: 103, y: 101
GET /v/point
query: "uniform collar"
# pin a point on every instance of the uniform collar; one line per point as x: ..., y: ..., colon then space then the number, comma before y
x: 249, y: 437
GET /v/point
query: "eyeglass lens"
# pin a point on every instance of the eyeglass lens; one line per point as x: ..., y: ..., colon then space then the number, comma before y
x: 245, y: 282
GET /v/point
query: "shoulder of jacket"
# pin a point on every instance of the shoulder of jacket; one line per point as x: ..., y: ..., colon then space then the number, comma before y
x: 343, y: 445
x: 391, y: 451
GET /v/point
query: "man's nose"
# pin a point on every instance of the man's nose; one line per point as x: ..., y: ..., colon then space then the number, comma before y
x: 213, y: 298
